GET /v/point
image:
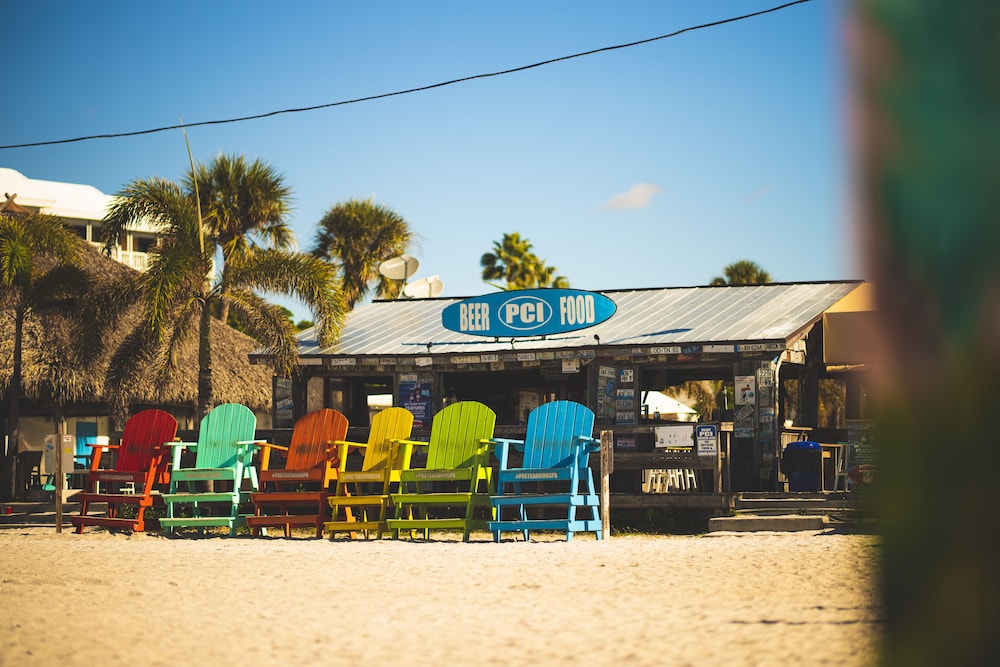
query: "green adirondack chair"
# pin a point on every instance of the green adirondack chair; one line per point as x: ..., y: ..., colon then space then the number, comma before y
x: 457, y: 478
x: 296, y: 494
x: 554, y: 477
x: 223, y: 460
x: 367, y: 490
x: 140, y: 464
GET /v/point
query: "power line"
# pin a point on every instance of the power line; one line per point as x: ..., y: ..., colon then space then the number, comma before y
x: 409, y: 90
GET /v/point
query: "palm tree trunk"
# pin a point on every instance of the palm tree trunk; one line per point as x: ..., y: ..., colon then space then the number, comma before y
x: 9, y: 476
x: 224, y: 312
x: 60, y: 473
x: 205, y: 397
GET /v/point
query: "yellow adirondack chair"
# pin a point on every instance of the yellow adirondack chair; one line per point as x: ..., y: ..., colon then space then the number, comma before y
x: 299, y: 490
x: 368, y: 489
x: 457, y: 478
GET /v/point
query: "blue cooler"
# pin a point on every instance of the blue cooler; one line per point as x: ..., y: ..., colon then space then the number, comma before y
x: 801, y: 463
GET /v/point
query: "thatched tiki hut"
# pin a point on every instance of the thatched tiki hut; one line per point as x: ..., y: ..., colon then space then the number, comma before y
x: 66, y: 356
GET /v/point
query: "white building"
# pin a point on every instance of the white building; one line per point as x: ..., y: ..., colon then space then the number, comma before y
x: 82, y: 207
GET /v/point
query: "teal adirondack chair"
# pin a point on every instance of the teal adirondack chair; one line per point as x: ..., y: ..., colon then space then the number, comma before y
x: 457, y: 478
x: 557, y: 448
x: 223, y: 457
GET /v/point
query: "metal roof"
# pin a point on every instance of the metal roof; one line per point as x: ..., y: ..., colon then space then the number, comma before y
x: 673, y: 316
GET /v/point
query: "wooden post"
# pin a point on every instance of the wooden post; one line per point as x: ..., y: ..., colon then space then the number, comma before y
x: 717, y: 472
x: 607, y: 467
x: 60, y: 475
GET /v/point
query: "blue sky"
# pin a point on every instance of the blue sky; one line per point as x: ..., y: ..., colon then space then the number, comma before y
x: 649, y: 166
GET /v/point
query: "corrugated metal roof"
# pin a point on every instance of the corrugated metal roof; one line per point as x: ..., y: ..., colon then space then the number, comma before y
x: 778, y: 312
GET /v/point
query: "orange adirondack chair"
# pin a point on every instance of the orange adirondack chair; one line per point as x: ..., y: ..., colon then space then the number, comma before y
x: 141, y: 464
x: 299, y: 491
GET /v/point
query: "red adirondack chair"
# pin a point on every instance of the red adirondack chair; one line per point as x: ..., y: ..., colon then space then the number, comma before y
x: 140, y: 464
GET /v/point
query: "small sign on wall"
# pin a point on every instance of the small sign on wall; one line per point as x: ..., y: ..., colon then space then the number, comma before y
x: 746, y: 390
x: 675, y: 437
x: 707, y: 439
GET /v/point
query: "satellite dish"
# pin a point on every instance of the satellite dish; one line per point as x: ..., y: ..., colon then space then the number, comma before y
x: 425, y: 288
x: 399, y: 268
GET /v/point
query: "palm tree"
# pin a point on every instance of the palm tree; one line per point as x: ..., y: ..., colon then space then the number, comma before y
x: 182, y: 287
x: 245, y: 205
x: 513, y: 262
x: 38, y: 269
x: 742, y: 272
x: 357, y: 236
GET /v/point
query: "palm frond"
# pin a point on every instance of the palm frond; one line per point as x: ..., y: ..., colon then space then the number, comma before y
x: 310, y: 279
x: 268, y: 324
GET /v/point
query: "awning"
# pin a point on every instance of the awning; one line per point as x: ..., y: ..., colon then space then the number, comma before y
x: 849, y: 327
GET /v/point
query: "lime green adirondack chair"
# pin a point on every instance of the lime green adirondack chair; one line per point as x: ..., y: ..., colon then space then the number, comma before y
x: 386, y: 453
x: 224, y: 458
x: 457, y: 478
x: 298, y: 492
x: 139, y: 466
x: 554, y: 479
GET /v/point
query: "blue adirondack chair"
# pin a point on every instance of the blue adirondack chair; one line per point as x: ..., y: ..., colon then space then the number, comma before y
x: 223, y: 460
x: 554, y: 477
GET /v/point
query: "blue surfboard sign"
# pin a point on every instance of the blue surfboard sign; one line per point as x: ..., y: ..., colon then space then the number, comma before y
x: 530, y: 312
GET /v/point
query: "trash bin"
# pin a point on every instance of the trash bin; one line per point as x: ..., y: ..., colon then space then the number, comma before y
x: 801, y: 463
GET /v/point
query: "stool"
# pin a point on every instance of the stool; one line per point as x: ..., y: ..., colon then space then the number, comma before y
x: 660, y: 482
x: 841, y: 469
x: 647, y: 480
x: 29, y: 473
x: 675, y: 480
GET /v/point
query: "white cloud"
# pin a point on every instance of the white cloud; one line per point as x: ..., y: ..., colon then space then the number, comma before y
x: 758, y: 194
x: 637, y: 196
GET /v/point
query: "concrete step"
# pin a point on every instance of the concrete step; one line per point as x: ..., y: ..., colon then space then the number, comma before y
x: 790, y: 506
x: 777, y: 523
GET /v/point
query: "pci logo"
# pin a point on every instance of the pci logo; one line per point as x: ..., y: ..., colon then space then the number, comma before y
x: 536, y: 312
x: 525, y: 313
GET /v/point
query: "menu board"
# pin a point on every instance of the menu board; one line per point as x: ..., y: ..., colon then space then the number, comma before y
x: 862, y: 451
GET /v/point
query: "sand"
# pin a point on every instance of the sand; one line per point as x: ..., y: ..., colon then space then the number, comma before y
x: 756, y: 598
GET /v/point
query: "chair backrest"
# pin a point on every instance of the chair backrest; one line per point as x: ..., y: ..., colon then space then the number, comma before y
x: 220, y: 430
x: 143, y: 431
x: 552, y: 428
x: 387, y: 425
x: 311, y: 436
x: 456, y: 432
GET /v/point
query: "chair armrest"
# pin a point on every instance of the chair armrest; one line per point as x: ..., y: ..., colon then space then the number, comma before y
x: 412, y: 443
x: 107, y: 445
x: 590, y: 444
x: 342, y: 443
x: 339, y: 449
x: 404, y: 449
x: 178, y: 447
x: 400, y: 453
x: 246, y: 445
x: 584, y: 445
x: 261, y: 443
x: 179, y: 443
x: 501, y: 449
x: 265, y: 453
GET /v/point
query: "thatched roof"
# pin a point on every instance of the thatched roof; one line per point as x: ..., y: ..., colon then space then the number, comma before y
x: 48, y: 354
